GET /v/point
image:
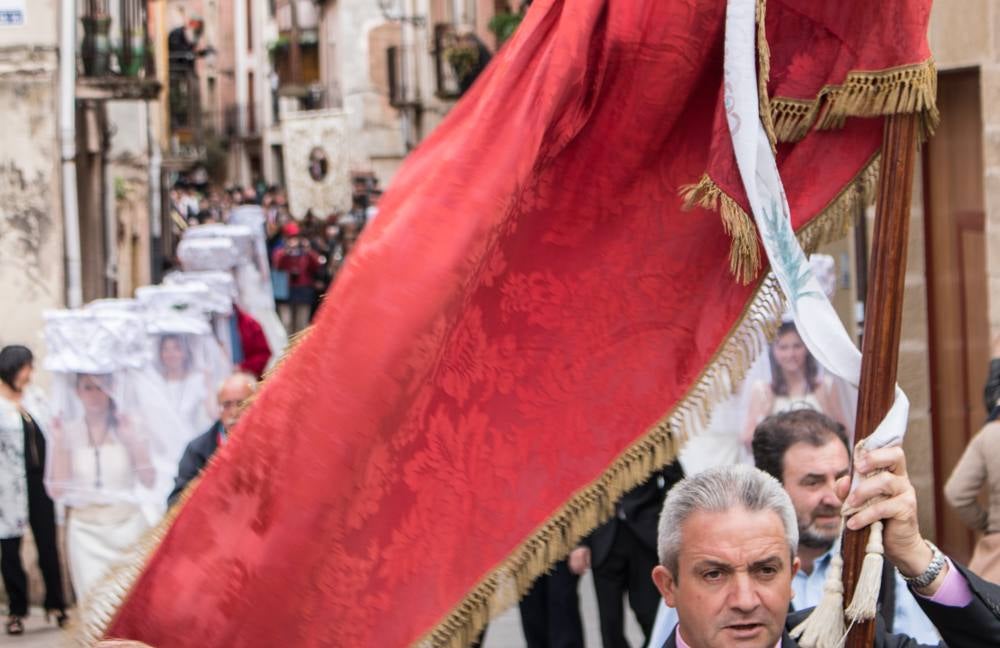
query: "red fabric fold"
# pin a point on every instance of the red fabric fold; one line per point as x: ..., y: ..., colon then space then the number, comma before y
x: 529, y: 302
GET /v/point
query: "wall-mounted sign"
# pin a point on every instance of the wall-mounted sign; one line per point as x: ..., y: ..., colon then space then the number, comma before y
x: 12, y: 13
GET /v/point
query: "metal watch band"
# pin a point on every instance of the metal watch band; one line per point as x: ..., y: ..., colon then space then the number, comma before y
x: 932, y: 571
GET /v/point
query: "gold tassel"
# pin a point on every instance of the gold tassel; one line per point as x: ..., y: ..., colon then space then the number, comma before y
x: 824, y: 627
x: 864, y: 605
x: 744, y: 252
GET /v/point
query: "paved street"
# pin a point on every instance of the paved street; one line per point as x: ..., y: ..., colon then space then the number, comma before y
x: 37, y: 634
x: 504, y: 632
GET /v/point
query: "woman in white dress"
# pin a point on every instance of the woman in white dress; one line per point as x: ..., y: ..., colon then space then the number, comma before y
x: 98, y: 463
x: 189, y: 389
x: 796, y: 383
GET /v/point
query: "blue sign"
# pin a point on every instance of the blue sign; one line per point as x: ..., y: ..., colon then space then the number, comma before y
x: 11, y: 13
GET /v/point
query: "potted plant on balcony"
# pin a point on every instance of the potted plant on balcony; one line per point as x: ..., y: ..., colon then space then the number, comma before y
x: 95, y: 50
x: 467, y: 56
x: 132, y: 54
x: 504, y: 24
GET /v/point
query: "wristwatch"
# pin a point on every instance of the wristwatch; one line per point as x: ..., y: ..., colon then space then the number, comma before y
x: 938, y: 561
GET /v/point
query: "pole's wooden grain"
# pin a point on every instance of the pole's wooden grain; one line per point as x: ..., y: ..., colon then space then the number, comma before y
x: 883, y: 318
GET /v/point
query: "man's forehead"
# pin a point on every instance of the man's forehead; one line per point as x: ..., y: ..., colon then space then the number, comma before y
x: 803, y: 457
x: 736, y: 536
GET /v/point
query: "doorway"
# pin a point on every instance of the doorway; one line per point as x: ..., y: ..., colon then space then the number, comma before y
x: 956, y: 288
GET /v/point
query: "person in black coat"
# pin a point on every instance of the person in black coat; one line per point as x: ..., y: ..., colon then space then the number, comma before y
x: 991, y: 391
x: 550, y: 611
x: 728, y: 539
x: 24, y: 500
x: 232, y: 394
x: 622, y: 553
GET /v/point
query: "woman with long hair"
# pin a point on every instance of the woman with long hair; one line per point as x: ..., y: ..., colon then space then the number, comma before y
x: 24, y: 501
x: 796, y: 383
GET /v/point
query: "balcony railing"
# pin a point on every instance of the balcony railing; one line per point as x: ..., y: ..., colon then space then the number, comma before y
x: 185, y: 105
x: 116, y: 56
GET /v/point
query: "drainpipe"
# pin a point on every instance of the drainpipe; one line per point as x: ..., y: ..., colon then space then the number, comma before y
x: 155, y: 198
x: 109, y: 206
x: 67, y: 137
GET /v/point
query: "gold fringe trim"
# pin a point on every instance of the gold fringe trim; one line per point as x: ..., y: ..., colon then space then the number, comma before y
x: 906, y: 89
x: 744, y: 253
x: 792, y: 118
x: 591, y: 505
x: 763, y: 75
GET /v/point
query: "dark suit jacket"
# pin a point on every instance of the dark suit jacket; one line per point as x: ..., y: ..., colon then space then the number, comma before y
x: 991, y: 392
x: 977, y: 625
x: 639, y: 509
x: 196, y: 455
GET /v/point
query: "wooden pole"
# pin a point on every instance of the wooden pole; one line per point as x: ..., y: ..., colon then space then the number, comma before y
x: 883, y: 317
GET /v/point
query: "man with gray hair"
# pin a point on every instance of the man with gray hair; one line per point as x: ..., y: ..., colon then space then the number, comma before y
x: 727, y: 547
x: 233, y: 392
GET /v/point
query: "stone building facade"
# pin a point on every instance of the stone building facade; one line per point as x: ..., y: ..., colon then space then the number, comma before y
x: 31, y: 271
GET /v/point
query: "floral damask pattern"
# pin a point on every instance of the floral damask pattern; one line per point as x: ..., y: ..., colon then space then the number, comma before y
x: 531, y: 301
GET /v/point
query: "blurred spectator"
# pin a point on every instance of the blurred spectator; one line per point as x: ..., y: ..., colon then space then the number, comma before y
x: 24, y: 500
x: 182, y: 43
x: 231, y: 397
x: 991, y: 393
x: 300, y: 261
x: 978, y: 467
x: 255, y: 352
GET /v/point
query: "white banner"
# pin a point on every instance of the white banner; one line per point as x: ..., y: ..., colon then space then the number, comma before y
x: 316, y: 159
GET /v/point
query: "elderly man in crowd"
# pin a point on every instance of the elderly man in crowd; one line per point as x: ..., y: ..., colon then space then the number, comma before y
x: 232, y: 393
x: 728, y: 543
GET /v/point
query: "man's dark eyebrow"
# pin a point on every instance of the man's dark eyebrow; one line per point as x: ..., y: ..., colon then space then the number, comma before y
x: 712, y: 564
x: 843, y: 473
x: 770, y: 561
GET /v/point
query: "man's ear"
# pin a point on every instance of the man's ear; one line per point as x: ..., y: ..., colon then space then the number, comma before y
x: 796, y: 565
x: 666, y: 583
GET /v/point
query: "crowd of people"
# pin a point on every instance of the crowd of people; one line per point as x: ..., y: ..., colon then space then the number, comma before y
x: 141, y: 392
x: 305, y: 254
x: 87, y: 453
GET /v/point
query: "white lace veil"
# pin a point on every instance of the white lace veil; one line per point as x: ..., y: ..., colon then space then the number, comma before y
x: 252, y: 273
x: 102, y: 445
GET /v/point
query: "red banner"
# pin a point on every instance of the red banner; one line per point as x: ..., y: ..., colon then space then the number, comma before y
x: 529, y: 327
